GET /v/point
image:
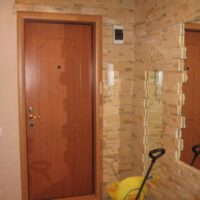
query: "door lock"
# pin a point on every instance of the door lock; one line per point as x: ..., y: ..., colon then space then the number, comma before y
x: 31, y: 124
x: 32, y: 117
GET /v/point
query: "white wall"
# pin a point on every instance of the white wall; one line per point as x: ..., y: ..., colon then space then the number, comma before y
x: 10, y: 186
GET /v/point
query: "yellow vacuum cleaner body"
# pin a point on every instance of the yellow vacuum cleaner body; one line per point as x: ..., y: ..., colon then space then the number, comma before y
x: 126, y: 189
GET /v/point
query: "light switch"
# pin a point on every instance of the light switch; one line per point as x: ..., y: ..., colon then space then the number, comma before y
x: 1, y: 132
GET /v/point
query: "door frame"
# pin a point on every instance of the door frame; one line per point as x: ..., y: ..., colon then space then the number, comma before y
x: 96, y: 22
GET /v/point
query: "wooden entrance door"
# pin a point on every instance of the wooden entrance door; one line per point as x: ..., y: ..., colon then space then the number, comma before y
x: 191, y: 108
x: 59, y: 111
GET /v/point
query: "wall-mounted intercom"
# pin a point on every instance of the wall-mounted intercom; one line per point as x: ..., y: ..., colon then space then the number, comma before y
x: 110, y: 78
x: 159, y: 82
x: 110, y: 74
x: 159, y: 78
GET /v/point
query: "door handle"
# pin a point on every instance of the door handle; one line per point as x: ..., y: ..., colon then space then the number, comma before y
x: 31, y: 116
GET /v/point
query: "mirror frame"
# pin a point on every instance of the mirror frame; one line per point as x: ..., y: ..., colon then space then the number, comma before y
x: 193, y: 24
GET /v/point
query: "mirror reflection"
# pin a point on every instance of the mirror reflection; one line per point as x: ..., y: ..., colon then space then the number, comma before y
x: 191, y: 89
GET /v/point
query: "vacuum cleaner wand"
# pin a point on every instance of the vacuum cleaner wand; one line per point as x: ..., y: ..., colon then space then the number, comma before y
x: 196, y: 150
x: 154, y: 155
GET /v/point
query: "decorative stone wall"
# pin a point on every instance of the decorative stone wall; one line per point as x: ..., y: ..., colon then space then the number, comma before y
x: 153, y: 121
x: 118, y: 111
x: 159, y: 44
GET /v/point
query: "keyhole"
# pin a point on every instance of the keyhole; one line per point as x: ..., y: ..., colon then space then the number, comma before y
x: 59, y: 66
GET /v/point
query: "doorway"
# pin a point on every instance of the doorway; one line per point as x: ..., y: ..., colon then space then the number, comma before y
x: 59, y: 81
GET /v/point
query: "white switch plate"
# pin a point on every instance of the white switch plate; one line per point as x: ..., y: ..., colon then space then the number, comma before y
x: 1, y: 193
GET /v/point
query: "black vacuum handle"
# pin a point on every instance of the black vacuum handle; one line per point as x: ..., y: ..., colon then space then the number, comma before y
x: 153, y: 154
x: 156, y: 153
x: 196, y: 149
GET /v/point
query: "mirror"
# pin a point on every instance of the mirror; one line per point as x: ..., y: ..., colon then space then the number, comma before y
x: 191, y: 89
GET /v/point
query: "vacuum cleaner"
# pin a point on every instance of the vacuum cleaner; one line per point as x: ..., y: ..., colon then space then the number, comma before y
x: 196, y: 151
x: 133, y: 188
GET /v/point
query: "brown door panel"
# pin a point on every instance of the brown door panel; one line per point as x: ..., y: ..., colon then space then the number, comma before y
x: 58, y: 75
